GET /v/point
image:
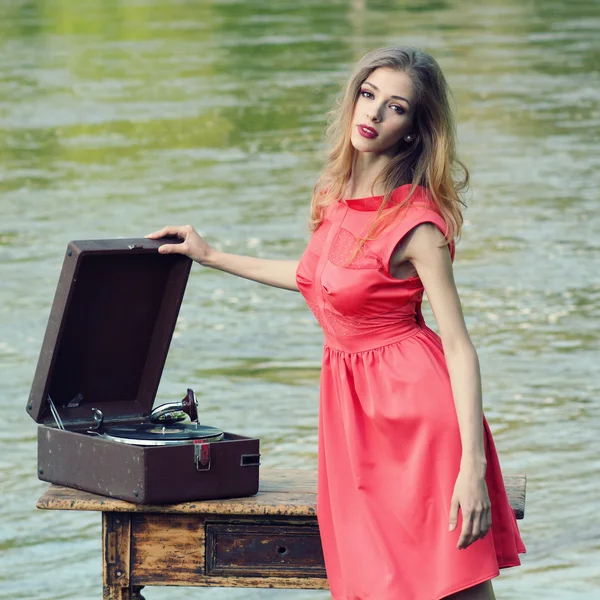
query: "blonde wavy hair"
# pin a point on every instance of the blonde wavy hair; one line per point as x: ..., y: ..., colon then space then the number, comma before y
x: 429, y: 160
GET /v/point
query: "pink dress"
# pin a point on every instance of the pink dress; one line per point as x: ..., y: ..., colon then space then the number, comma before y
x: 389, y: 443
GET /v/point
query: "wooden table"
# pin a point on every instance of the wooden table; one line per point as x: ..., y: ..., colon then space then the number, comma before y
x: 270, y: 540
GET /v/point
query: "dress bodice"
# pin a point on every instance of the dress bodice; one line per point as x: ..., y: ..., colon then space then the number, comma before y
x: 355, y: 299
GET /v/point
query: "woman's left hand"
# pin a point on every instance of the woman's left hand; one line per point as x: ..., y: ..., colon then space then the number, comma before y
x: 471, y: 496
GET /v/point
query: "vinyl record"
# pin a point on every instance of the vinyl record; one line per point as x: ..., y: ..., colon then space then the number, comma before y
x: 150, y: 434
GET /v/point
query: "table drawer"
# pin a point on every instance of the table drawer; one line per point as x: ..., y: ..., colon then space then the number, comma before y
x: 281, y: 549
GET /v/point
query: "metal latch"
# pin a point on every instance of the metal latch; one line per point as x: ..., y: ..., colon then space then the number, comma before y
x: 202, y: 455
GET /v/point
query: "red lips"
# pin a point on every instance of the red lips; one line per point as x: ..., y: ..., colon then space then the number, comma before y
x: 367, y: 131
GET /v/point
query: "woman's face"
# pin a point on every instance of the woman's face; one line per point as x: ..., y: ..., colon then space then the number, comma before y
x: 383, y: 112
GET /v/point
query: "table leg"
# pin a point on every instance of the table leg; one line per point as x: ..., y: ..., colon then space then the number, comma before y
x: 116, y: 557
x: 136, y: 592
x: 119, y: 593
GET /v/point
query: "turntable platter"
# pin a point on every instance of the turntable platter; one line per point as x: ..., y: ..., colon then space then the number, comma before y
x: 151, y: 434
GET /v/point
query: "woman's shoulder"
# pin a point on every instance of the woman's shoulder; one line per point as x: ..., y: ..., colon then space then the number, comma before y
x: 418, y: 209
x: 420, y: 198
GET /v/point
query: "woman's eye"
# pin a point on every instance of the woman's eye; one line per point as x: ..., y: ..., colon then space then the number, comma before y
x: 366, y: 94
x: 397, y: 108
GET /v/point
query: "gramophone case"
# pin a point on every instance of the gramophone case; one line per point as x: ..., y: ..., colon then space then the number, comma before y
x: 107, y: 339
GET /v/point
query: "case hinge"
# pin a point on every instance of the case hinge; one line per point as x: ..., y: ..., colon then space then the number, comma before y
x: 55, y: 414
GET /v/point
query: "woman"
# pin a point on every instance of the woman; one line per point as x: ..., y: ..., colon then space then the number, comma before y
x: 408, y: 478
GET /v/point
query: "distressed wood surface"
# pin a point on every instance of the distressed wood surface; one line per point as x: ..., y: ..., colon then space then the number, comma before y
x: 516, y: 486
x: 116, y: 560
x: 167, y: 548
x: 264, y: 547
x: 173, y: 549
x: 282, y: 492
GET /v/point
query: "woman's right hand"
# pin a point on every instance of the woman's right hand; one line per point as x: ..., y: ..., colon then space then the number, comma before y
x: 276, y: 273
x: 193, y: 245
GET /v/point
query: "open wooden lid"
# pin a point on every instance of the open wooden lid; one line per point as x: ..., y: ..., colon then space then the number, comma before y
x: 109, y: 330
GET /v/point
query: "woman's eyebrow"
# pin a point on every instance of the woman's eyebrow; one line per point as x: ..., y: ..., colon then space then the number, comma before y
x: 397, y: 97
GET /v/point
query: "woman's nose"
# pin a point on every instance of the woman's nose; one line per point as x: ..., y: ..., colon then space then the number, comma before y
x: 373, y: 116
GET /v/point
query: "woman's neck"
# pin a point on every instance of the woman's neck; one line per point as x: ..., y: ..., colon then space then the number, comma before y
x: 365, y: 170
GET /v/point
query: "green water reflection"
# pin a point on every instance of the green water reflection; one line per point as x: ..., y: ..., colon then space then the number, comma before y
x: 117, y: 117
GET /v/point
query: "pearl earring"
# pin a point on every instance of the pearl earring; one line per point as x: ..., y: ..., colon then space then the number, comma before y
x: 408, y: 138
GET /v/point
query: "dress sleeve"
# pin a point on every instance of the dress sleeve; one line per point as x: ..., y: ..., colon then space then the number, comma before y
x: 419, y: 212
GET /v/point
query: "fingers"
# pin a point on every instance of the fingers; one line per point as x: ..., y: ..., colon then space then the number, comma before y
x: 486, y: 522
x: 475, y: 528
x: 453, y: 514
x: 172, y: 249
x: 171, y: 230
x: 192, y: 244
x: 465, y: 534
x: 180, y: 231
x: 471, y: 495
x: 475, y: 525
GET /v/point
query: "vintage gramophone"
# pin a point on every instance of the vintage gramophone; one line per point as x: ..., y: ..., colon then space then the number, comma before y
x: 100, y: 365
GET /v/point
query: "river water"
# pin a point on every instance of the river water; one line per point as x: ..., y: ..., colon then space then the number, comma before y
x: 119, y: 117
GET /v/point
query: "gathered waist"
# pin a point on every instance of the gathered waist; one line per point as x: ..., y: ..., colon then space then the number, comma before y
x: 372, y: 340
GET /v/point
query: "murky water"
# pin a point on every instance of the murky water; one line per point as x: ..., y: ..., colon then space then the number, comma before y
x: 119, y: 117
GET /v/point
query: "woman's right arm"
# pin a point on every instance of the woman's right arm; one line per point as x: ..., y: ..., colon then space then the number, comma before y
x: 276, y: 273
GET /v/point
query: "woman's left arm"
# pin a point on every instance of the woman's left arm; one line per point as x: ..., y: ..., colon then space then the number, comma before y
x: 426, y: 249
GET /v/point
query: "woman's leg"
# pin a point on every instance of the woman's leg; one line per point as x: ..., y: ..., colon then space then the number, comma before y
x: 483, y: 591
